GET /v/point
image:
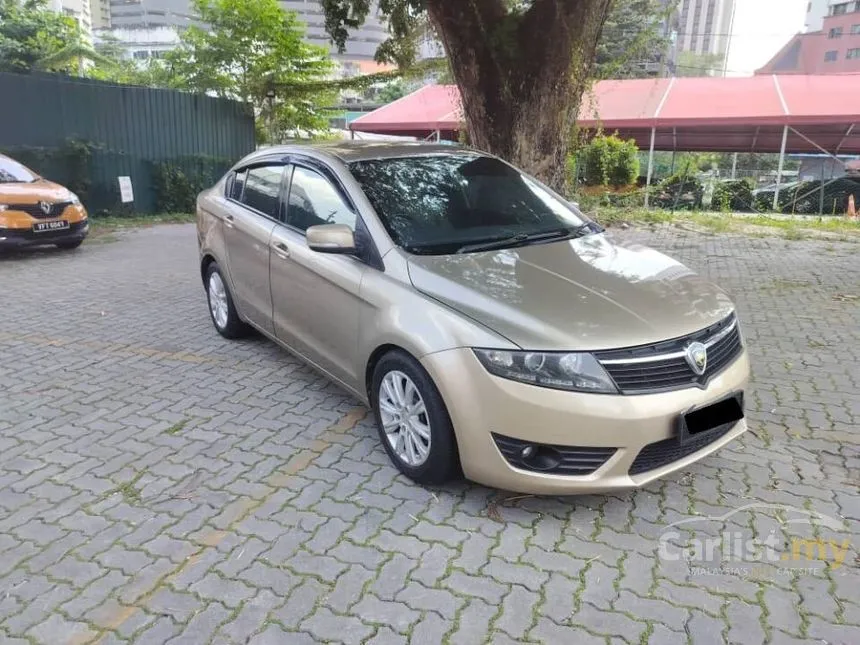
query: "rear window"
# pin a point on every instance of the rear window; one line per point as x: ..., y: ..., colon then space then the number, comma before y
x: 13, y: 172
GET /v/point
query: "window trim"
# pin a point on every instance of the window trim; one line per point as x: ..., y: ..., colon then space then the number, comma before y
x: 327, y: 174
x: 272, y: 161
x: 369, y: 254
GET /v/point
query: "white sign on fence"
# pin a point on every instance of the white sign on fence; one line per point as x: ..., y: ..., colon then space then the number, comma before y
x: 126, y: 192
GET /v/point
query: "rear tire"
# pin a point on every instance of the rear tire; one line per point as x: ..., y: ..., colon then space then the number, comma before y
x: 221, y: 308
x: 68, y: 246
x: 413, y: 422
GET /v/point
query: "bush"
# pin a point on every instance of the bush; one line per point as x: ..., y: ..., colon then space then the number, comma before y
x: 735, y: 195
x: 609, y: 160
x: 68, y: 165
x: 683, y: 192
x: 177, y: 182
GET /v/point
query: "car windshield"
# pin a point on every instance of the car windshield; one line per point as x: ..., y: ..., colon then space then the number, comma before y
x: 11, y: 172
x: 463, y: 201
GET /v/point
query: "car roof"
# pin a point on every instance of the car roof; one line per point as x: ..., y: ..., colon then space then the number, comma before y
x: 348, y: 151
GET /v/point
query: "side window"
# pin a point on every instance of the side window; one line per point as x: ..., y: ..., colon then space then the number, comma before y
x: 262, y: 187
x: 235, y: 184
x: 314, y: 200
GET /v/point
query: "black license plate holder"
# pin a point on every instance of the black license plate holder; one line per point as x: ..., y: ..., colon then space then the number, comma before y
x: 711, y: 418
x: 47, y: 227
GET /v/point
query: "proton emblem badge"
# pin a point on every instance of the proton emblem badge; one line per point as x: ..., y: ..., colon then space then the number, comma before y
x: 697, y: 358
x: 46, y: 207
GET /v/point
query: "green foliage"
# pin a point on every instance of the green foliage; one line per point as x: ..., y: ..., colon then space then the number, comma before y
x: 31, y: 32
x: 247, y: 48
x: 736, y: 196
x: 609, y: 160
x: 68, y: 164
x: 177, y: 182
x: 391, y: 92
x: 680, y: 191
x: 693, y: 64
x: 632, y: 37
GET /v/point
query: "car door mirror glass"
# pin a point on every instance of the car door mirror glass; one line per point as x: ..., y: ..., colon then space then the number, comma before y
x: 331, y: 238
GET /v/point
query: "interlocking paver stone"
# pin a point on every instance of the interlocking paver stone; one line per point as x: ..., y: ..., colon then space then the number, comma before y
x: 158, y: 482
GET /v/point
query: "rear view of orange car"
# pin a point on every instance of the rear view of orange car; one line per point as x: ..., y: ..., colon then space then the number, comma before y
x: 35, y: 211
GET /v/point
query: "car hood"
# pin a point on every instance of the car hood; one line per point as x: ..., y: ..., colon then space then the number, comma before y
x: 590, y: 293
x: 38, y: 191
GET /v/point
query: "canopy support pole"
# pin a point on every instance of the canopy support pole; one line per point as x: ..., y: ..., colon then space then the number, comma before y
x: 352, y: 135
x: 781, y: 167
x: 650, y: 166
x: 734, y: 166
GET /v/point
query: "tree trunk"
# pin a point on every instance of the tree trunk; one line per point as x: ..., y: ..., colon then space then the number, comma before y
x: 521, y: 74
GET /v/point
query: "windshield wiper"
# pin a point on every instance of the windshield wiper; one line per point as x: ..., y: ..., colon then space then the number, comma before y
x: 523, y: 239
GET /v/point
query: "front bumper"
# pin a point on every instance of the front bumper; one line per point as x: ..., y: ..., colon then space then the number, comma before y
x: 11, y: 238
x: 481, y: 405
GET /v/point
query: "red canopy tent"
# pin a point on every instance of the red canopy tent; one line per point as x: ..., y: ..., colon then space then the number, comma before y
x: 785, y: 114
x: 689, y: 114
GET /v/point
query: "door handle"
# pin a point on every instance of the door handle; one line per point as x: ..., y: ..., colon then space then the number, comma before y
x: 281, y: 250
x: 228, y: 220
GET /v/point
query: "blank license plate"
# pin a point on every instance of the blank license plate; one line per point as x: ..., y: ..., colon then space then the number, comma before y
x: 711, y: 417
x: 41, y: 227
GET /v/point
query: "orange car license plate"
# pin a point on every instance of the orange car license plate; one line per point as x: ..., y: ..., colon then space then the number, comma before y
x: 41, y: 227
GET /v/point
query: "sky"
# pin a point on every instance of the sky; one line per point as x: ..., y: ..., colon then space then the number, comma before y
x: 761, y: 28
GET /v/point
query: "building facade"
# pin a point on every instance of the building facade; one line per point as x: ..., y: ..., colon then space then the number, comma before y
x: 153, y: 26
x: 834, y: 49
x: 816, y: 12
x: 704, y: 26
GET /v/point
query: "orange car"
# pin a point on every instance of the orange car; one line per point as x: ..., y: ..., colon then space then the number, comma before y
x: 36, y: 211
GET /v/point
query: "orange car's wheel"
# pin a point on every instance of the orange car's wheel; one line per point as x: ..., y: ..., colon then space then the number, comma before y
x: 412, y: 420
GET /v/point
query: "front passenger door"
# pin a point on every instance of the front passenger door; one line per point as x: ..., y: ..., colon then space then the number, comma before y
x: 254, y: 209
x: 316, y: 295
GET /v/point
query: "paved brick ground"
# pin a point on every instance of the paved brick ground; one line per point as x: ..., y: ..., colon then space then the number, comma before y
x: 160, y: 484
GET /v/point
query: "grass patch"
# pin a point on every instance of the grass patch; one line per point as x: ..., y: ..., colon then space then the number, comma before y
x: 177, y: 427
x: 789, y: 228
x: 105, y: 223
x: 129, y: 491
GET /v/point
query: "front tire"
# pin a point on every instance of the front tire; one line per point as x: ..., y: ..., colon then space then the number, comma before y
x: 221, y: 308
x: 413, y: 422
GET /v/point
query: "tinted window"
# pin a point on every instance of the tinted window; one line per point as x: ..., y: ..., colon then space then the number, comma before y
x: 262, y: 187
x: 437, y: 203
x: 235, y: 185
x: 314, y: 200
x: 13, y: 172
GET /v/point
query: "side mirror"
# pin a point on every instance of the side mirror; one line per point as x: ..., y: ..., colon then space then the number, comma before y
x: 331, y: 238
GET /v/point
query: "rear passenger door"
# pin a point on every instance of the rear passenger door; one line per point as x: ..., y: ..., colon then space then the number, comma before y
x: 255, y: 207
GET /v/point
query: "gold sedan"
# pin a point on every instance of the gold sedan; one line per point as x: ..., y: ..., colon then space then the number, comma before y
x: 489, y: 324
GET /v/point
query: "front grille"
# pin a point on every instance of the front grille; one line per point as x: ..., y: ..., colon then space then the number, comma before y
x: 663, y: 366
x: 35, y: 210
x: 661, y: 453
x: 551, y: 459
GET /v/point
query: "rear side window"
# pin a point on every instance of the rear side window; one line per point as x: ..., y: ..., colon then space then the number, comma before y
x: 262, y: 185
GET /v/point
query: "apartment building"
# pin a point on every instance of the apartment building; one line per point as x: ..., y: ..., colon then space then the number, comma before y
x: 833, y: 49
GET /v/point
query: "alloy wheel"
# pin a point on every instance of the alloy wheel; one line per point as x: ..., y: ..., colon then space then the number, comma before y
x: 218, y: 300
x: 404, y: 418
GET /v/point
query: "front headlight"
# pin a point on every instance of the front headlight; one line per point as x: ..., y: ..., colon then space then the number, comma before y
x: 3, y: 207
x: 74, y: 198
x: 575, y: 371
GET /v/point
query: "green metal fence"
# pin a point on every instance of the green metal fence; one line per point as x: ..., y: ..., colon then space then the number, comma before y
x: 125, y: 131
